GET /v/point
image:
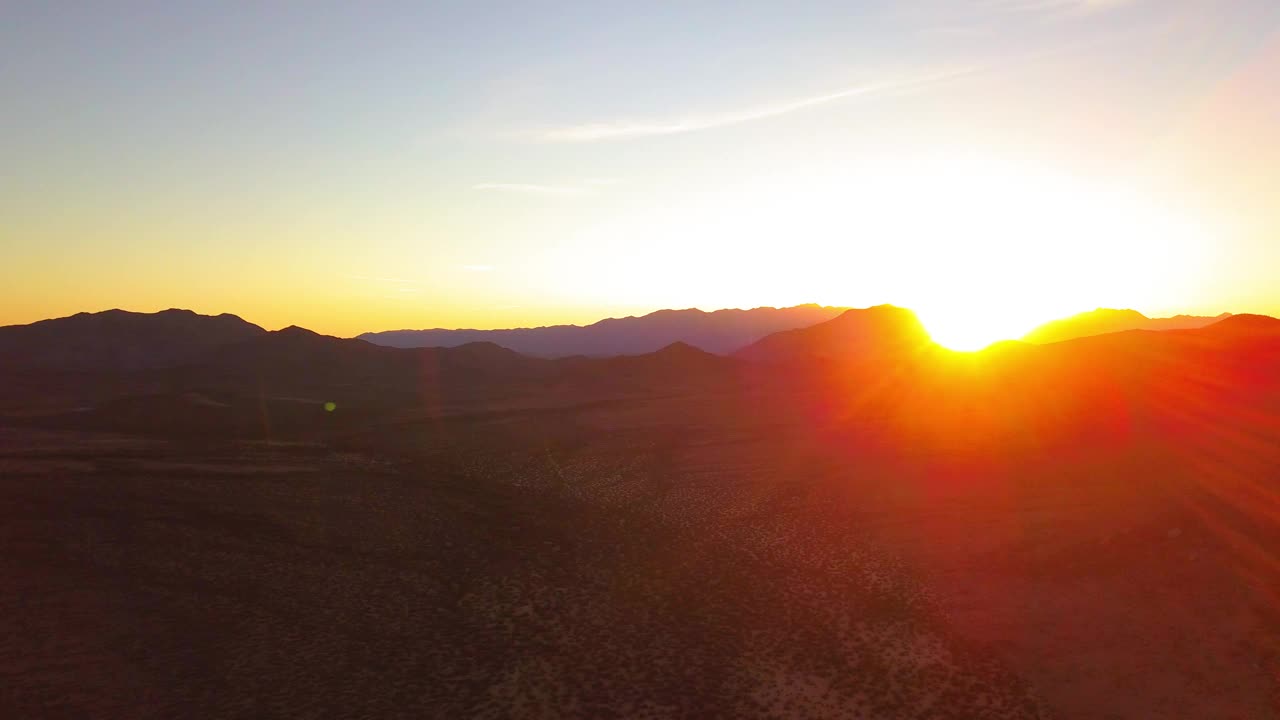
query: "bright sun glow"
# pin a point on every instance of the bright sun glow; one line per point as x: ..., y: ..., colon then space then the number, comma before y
x: 982, y: 252
x: 1024, y: 249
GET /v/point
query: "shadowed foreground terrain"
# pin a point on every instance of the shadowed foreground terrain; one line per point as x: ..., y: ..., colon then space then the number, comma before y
x: 845, y: 521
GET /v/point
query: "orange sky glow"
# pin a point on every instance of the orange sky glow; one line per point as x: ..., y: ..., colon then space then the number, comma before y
x: 990, y: 165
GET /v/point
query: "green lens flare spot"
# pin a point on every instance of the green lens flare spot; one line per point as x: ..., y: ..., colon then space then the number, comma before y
x: 330, y: 406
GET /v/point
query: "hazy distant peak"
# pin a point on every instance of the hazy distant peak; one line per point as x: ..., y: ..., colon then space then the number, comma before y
x: 719, y: 331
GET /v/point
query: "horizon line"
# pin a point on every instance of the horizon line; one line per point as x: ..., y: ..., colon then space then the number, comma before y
x: 702, y: 310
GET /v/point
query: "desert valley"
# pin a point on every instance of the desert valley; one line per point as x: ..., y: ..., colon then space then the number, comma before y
x: 838, y: 519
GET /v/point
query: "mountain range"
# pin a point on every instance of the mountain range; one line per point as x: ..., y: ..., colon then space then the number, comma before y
x: 117, y: 340
x: 720, y: 332
x: 176, y: 369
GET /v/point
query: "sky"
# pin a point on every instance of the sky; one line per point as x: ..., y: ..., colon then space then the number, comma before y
x: 368, y: 166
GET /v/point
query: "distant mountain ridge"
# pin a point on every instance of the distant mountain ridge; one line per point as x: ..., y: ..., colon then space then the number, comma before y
x: 720, y: 332
x: 179, y: 368
x: 176, y: 371
x: 1107, y: 320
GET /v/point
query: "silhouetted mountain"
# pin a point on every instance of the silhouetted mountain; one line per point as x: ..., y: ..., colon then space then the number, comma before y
x: 721, y: 332
x: 883, y: 331
x: 1245, y: 325
x: 119, y: 340
x: 1105, y: 320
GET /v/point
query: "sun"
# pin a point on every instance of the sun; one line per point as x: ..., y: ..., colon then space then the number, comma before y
x: 966, y: 334
x: 1000, y: 252
x: 981, y: 249
x: 973, y: 327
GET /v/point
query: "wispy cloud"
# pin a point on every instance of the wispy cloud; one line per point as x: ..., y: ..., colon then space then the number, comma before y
x: 593, y: 132
x: 532, y: 189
